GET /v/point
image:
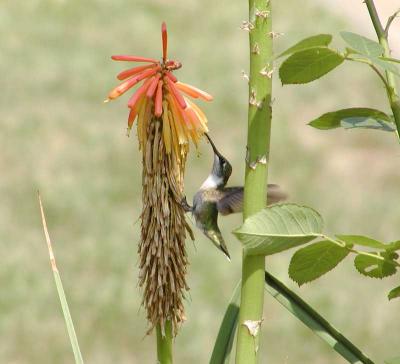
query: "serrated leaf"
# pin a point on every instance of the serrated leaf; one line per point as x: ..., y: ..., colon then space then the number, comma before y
x: 362, y: 44
x: 363, y: 241
x: 394, y: 60
x: 319, y: 40
x: 313, y: 261
x: 394, y: 293
x: 278, y: 228
x: 375, y: 267
x: 358, y: 117
x: 395, y: 360
x: 309, y: 65
x: 395, y: 245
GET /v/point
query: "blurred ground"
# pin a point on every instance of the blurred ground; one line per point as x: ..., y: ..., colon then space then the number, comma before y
x: 58, y: 136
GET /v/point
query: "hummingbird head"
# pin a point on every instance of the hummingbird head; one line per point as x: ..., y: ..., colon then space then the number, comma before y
x: 222, y: 169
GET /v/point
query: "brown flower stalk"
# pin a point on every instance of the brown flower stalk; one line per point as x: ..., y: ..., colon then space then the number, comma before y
x: 166, y: 121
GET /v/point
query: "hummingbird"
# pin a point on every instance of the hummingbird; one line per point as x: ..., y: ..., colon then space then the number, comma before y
x: 214, y: 198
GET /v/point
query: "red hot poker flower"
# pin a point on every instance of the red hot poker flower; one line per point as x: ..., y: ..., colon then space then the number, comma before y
x: 161, y: 96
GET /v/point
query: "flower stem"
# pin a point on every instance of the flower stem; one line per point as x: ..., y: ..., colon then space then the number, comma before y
x: 164, y: 344
x: 258, y: 137
x: 382, y: 35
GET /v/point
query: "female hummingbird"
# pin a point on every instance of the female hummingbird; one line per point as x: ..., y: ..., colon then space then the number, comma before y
x: 214, y: 198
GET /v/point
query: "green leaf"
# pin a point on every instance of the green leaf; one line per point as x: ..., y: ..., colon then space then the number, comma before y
x: 278, y: 228
x: 363, y: 241
x: 309, y: 65
x: 61, y: 294
x: 319, y: 40
x: 393, y: 246
x: 313, y: 261
x: 226, y: 334
x: 314, y: 321
x: 358, y: 117
x: 394, y: 60
x: 363, y: 45
x: 395, y: 360
x: 375, y: 267
x: 394, y: 293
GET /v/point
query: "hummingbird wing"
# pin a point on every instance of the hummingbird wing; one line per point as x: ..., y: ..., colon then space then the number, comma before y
x: 232, y: 198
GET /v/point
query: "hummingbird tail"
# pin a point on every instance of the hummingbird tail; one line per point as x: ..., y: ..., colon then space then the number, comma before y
x: 224, y: 249
x: 218, y: 241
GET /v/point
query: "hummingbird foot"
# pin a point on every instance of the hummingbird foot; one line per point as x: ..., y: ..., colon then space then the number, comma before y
x: 186, y: 207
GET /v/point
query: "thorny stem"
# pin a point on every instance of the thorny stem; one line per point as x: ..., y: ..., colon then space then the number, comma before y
x: 382, y: 35
x: 164, y: 344
x: 259, y: 126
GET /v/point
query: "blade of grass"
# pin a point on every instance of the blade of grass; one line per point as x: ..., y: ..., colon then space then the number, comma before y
x: 314, y: 321
x: 226, y: 334
x: 60, y: 290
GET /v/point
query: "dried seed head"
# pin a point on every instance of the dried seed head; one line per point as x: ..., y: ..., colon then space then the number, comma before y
x: 162, y: 254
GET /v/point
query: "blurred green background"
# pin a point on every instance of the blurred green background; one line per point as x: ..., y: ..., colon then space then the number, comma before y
x: 58, y: 136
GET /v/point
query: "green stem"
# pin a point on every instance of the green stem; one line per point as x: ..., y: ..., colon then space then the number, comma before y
x: 164, y: 344
x: 343, y: 244
x: 259, y: 126
x: 373, y: 67
x: 382, y: 35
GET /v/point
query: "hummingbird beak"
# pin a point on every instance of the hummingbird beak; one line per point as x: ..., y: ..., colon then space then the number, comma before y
x: 213, y: 146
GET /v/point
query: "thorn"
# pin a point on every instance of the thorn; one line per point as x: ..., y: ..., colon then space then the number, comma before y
x: 262, y: 13
x: 261, y: 159
x: 274, y: 35
x: 106, y: 100
x: 253, y: 100
x: 256, y: 49
x: 246, y: 25
x: 267, y: 72
x: 253, y: 326
x: 245, y: 76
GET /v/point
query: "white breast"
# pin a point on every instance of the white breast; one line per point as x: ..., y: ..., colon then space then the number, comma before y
x: 211, y: 182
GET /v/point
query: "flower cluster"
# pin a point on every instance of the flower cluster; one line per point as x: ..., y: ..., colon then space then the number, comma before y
x: 161, y: 96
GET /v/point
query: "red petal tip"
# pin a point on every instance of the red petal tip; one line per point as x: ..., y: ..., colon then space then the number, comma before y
x: 158, y: 100
x: 179, y: 98
x: 164, y: 37
x: 123, y: 57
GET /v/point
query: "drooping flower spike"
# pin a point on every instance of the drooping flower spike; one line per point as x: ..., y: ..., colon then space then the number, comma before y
x: 161, y: 95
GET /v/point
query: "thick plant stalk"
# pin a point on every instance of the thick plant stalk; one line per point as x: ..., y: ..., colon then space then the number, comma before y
x: 382, y: 35
x: 259, y: 126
